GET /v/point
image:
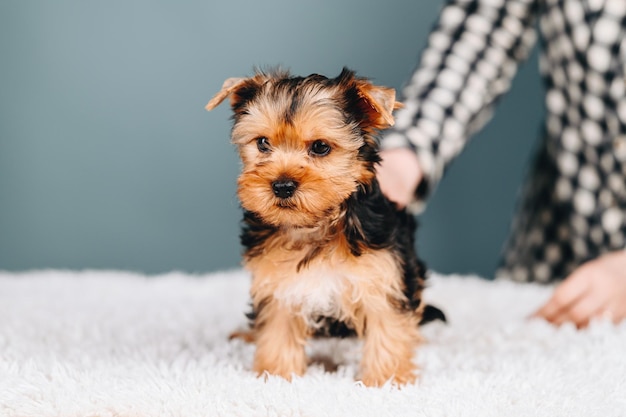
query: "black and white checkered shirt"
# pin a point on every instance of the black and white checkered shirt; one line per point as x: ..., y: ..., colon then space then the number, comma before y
x: 574, y: 203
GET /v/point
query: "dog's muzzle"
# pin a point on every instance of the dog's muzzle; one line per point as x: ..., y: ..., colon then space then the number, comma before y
x: 284, y: 187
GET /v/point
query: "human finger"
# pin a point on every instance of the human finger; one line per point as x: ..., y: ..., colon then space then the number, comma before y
x: 564, y: 296
x: 581, y: 311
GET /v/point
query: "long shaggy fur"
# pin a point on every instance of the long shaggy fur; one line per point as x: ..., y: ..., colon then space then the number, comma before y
x: 329, y: 253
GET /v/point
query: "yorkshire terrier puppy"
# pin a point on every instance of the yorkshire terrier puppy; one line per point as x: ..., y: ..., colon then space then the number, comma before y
x: 329, y: 254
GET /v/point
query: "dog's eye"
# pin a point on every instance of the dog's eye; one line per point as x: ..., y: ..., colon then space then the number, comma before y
x: 263, y: 144
x: 320, y: 148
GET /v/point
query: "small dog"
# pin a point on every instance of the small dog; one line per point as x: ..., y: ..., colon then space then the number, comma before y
x: 328, y: 252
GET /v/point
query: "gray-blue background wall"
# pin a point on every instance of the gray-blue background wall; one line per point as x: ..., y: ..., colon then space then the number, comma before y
x: 109, y: 160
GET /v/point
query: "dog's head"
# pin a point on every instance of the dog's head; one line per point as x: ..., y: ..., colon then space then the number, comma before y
x: 307, y: 143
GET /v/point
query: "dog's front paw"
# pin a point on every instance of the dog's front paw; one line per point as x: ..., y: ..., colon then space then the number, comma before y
x: 281, y: 370
x: 400, y: 377
x: 284, y: 362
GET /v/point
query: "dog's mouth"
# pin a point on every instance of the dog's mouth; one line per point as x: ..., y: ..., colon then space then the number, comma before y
x: 286, y: 203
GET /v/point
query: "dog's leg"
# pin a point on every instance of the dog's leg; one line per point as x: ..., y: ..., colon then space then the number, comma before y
x: 391, y: 337
x: 280, y: 337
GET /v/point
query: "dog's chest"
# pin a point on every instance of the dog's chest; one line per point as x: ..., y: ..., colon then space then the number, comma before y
x: 314, y: 292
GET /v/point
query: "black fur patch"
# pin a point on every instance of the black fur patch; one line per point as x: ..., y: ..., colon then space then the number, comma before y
x: 372, y: 221
x: 254, y: 233
x: 244, y: 95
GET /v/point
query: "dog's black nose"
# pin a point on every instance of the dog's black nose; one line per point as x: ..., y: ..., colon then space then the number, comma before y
x: 284, y: 188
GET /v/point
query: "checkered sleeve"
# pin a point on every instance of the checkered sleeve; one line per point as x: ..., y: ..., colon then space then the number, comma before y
x: 471, y: 57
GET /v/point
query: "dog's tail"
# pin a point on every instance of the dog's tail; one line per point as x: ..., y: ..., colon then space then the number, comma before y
x: 432, y: 313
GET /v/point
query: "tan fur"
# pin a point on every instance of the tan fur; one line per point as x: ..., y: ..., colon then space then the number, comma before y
x: 325, y: 182
x: 280, y: 342
x: 390, y: 344
x: 227, y: 88
x: 368, y: 282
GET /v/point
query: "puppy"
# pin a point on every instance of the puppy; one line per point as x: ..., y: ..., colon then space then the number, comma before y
x: 329, y: 254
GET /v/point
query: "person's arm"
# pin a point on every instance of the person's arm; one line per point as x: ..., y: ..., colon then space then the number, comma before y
x: 469, y: 62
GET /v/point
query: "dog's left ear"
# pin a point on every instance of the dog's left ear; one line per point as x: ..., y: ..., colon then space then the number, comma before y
x: 378, y: 103
x: 230, y: 85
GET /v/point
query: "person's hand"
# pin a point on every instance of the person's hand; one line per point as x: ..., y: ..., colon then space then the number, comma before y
x: 399, y: 174
x: 597, y: 289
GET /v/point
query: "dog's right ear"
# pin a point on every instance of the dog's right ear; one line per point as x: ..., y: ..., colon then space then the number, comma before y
x: 229, y: 86
x: 378, y: 103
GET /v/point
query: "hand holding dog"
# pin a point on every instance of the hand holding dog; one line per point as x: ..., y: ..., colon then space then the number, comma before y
x: 597, y: 289
x: 399, y: 174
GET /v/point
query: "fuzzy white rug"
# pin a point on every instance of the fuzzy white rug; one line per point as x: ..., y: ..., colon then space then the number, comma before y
x: 121, y: 344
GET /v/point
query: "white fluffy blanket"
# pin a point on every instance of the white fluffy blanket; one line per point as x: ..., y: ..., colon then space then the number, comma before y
x: 121, y: 344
